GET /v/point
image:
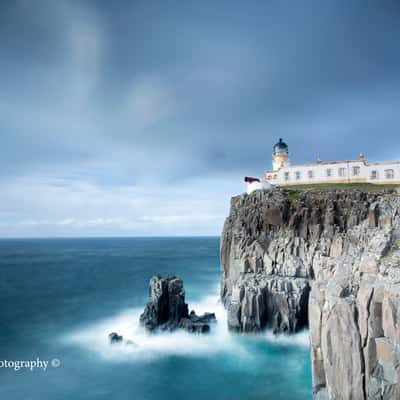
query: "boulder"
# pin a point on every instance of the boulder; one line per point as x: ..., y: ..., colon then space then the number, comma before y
x: 197, y: 323
x: 115, y: 338
x: 194, y: 327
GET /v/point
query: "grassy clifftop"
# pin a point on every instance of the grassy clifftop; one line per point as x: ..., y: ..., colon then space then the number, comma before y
x: 364, y: 187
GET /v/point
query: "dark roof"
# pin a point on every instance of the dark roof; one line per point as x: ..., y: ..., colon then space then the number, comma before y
x: 281, y: 147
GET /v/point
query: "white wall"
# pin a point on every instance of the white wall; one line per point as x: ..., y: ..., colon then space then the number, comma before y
x: 320, y: 173
x: 257, y: 185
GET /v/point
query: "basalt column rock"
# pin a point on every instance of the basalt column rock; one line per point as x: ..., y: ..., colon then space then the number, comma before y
x: 276, y: 302
x: 329, y: 259
x: 167, y: 310
x: 166, y: 306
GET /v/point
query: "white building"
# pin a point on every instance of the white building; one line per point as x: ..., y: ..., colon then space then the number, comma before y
x: 256, y: 184
x: 349, y: 171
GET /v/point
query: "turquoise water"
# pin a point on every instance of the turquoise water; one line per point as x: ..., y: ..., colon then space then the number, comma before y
x: 59, y: 298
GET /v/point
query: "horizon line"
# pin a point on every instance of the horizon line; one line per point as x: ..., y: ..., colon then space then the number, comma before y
x: 107, y: 237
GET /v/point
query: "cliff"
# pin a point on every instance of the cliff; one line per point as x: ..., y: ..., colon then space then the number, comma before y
x: 327, y: 259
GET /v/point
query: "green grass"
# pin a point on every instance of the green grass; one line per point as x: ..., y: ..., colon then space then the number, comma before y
x: 294, y: 195
x: 364, y: 187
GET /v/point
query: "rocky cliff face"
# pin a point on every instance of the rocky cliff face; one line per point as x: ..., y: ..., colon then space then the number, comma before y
x: 327, y: 259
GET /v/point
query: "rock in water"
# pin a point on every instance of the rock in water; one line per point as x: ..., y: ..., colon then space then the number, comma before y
x: 329, y: 256
x: 131, y: 343
x: 206, y: 317
x: 197, y: 323
x: 167, y: 310
x: 166, y: 306
x: 194, y: 327
x: 115, y: 338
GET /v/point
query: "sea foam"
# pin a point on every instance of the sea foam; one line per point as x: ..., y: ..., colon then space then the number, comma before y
x: 94, y: 337
x: 300, y: 339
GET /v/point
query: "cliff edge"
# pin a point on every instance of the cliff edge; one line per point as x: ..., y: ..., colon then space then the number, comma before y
x: 327, y: 259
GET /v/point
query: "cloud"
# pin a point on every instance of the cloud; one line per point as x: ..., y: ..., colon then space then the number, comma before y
x: 76, y: 208
x: 118, y: 125
x: 147, y: 102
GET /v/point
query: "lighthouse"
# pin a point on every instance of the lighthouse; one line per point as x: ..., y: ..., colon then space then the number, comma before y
x: 280, y: 155
x: 356, y: 171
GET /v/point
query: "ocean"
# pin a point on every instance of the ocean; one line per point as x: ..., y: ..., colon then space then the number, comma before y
x: 60, y: 298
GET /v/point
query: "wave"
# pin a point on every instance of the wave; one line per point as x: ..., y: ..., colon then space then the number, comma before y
x: 94, y: 337
x: 300, y: 339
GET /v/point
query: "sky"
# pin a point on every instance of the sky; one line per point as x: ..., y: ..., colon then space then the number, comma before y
x: 141, y: 118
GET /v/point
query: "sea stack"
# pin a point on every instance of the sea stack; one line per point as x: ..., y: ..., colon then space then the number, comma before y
x: 329, y: 259
x: 167, y: 310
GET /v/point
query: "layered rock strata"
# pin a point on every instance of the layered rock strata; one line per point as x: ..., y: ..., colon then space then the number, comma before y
x: 327, y: 258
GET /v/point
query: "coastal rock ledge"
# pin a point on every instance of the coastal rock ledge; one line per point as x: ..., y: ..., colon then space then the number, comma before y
x: 327, y: 259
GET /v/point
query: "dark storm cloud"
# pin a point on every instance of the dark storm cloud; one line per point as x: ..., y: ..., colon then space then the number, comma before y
x: 143, y: 92
x: 198, y: 78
